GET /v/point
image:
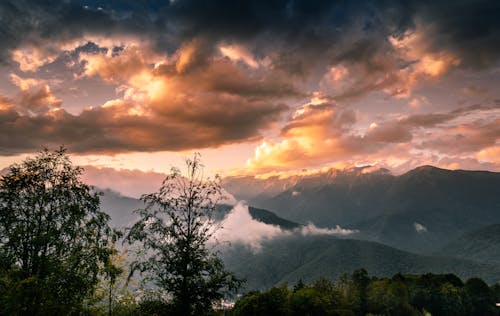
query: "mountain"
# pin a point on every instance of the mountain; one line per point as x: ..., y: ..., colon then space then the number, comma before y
x: 121, y: 209
x: 261, y: 215
x: 263, y: 190
x: 420, y: 210
x: 290, y: 259
x: 270, y: 218
x: 481, y: 245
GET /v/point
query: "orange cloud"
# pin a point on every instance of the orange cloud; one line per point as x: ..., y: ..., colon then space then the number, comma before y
x: 490, y: 154
x: 34, y: 95
x: 157, y: 107
x: 397, y: 67
x: 322, y: 133
x: 422, y: 62
x: 30, y: 58
x: 314, y: 135
x: 239, y: 53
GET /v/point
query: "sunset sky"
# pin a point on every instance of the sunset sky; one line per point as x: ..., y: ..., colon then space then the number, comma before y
x: 255, y: 86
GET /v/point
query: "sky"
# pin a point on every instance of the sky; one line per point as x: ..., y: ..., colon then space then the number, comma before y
x: 257, y: 87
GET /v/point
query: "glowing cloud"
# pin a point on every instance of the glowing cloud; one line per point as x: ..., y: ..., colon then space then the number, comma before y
x: 31, y: 58
x: 237, y: 53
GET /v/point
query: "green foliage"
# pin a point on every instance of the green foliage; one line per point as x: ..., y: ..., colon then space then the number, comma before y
x: 272, y: 302
x: 402, y: 295
x: 482, y: 298
x: 53, y: 236
x: 321, y: 298
x: 173, y: 234
x: 113, y: 294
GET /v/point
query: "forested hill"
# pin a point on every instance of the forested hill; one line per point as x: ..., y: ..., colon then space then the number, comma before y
x: 293, y: 258
x: 481, y: 245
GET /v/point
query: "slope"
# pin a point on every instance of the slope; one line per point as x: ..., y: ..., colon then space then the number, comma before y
x: 480, y: 245
x: 289, y: 259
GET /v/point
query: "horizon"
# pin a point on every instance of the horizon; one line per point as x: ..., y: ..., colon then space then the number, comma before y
x: 134, y: 183
x: 257, y: 88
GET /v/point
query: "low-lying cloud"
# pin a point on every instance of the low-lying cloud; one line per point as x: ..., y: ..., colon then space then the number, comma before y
x: 419, y: 228
x: 238, y: 227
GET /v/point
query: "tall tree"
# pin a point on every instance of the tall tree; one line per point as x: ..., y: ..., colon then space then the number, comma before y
x: 174, y: 232
x: 53, y: 236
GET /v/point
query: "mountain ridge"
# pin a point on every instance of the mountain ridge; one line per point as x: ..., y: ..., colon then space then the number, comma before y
x: 378, y: 204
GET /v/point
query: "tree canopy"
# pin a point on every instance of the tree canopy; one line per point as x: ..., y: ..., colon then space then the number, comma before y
x: 53, y: 236
x: 360, y: 294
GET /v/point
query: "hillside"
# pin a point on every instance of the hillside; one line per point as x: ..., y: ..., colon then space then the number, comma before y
x: 261, y: 215
x: 119, y: 207
x: 289, y: 259
x: 480, y: 245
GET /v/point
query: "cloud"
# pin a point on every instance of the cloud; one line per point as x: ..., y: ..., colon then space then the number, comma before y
x: 466, y: 137
x: 239, y: 53
x: 299, y: 37
x: 30, y: 59
x: 419, y: 228
x: 131, y: 183
x: 491, y: 154
x: 35, y: 96
x: 320, y: 133
x: 191, y: 75
x: 316, y: 133
x: 240, y: 228
x: 159, y: 110
x: 311, y: 229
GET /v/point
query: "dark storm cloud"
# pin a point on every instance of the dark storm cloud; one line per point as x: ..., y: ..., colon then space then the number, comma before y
x: 301, y: 31
x: 469, y: 28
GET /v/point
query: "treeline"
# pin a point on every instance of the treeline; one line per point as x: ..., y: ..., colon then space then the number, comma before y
x: 361, y: 294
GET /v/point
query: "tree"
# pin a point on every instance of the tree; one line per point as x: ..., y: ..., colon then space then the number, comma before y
x: 274, y: 301
x: 114, y: 294
x: 53, y: 236
x: 481, y: 297
x: 360, y: 281
x: 174, y: 231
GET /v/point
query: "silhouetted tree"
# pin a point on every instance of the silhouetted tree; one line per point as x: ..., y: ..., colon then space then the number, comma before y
x: 482, y: 298
x: 53, y: 236
x: 173, y: 232
x: 360, y: 281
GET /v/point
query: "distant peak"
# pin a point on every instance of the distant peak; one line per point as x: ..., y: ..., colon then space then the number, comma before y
x: 427, y: 167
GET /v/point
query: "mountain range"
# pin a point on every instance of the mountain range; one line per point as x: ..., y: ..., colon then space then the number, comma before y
x: 426, y: 220
x: 419, y: 211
